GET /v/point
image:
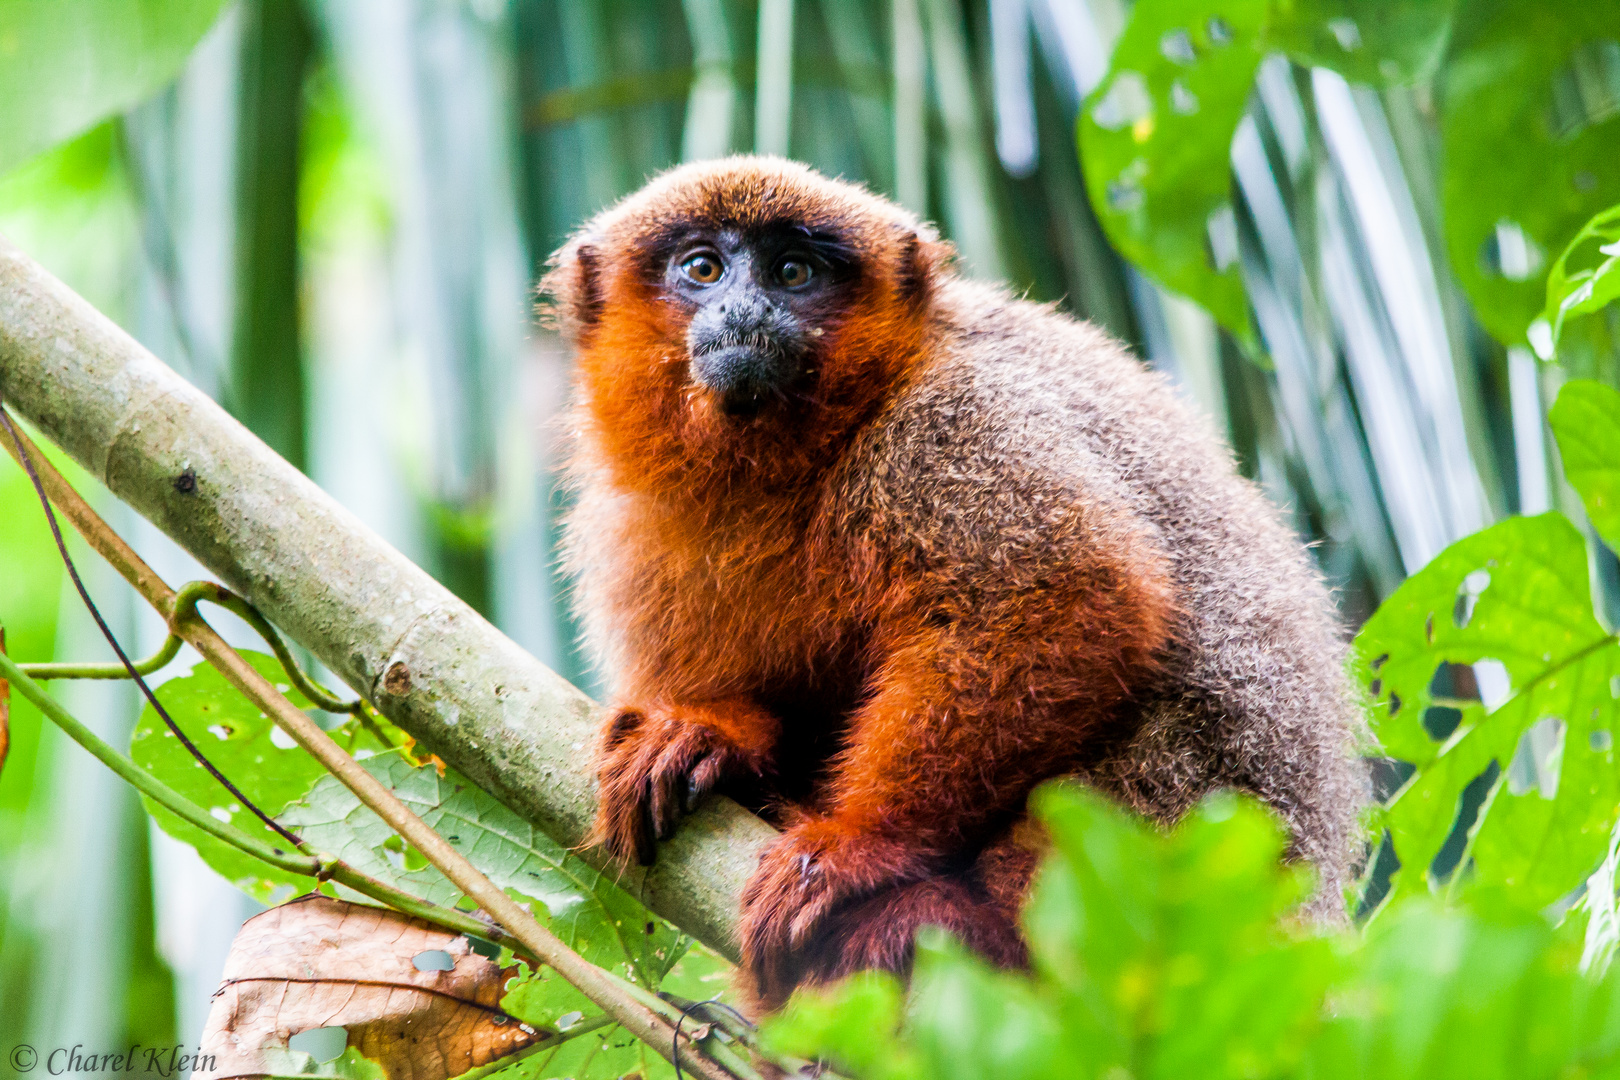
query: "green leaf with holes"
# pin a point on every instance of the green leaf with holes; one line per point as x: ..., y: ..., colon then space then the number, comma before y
x: 1586, y: 422
x: 583, y: 906
x: 1368, y: 41
x: 1155, y: 139
x: 1529, y: 127
x: 255, y: 755
x: 1512, y: 602
x: 1156, y: 135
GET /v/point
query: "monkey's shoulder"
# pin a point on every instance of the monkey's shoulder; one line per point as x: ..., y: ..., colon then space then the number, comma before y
x: 1002, y: 450
x: 1023, y: 416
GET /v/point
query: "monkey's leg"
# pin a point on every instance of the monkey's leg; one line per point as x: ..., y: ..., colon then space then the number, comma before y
x: 980, y: 907
x: 656, y: 761
x: 936, y: 755
x: 880, y: 932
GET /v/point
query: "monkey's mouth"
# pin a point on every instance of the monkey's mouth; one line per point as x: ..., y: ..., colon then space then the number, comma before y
x: 747, y: 372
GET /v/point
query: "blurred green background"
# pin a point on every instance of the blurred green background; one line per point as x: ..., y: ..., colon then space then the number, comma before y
x: 333, y: 218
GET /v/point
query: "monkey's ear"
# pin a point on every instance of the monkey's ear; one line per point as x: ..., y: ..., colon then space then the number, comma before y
x: 923, y: 256
x: 571, y: 293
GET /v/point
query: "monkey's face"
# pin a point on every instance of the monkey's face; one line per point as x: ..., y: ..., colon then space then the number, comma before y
x: 757, y: 304
x: 739, y: 317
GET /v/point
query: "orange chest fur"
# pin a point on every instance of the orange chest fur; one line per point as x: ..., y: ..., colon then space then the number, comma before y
x: 759, y: 600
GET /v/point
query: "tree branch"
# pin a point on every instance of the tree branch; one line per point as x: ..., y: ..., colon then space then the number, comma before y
x: 430, y: 663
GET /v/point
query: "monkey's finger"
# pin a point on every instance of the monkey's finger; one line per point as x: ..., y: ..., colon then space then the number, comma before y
x: 664, y: 804
x: 646, y: 845
x: 702, y: 779
x: 668, y: 777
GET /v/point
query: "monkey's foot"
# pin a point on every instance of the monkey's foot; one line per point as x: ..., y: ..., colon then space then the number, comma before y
x: 653, y: 767
x: 792, y: 907
x: 880, y: 933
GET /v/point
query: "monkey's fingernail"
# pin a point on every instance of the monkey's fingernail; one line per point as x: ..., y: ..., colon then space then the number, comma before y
x: 816, y: 331
x: 689, y: 797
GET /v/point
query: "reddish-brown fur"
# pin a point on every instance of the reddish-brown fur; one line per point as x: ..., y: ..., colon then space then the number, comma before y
x: 874, y: 622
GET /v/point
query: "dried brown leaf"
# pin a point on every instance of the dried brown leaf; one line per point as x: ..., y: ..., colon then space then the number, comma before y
x: 316, y: 962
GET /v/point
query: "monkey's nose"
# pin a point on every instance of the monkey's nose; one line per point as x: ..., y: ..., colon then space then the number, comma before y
x: 740, y: 375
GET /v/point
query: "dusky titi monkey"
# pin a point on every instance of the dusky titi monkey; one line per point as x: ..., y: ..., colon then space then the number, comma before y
x: 876, y: 549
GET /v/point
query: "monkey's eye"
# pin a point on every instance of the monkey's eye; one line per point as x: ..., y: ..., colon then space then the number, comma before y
x: 702, y: 268
x: 794, y: 272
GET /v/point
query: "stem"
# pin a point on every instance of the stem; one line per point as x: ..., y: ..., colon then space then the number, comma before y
x: 106, y: 543
x: 672, y: 1015
x: 449, y: 918
x: 642, y: 1021
x: 381, y: 624
x: 583, y: 1027
x: 155, y: 662
x: 193, y: 593
x: 144, y: 781
x: 5, y: 709
x: 322, y: 868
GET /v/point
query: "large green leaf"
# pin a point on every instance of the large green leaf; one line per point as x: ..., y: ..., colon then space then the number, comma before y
x: 1515, y: 597
x: 1154, y: 956
x: 64, y: 64
x: 1156, y: 135
x: 1168, y: 953
x: 1586, y: 421
x: 1529, y: 129
x: 1370, y: 41
x: 1155, y: 140
x: 250, y: 750
x: 581, y: 905
x: 1173, y: 956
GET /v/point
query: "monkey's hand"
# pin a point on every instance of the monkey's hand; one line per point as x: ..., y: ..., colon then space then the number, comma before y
x: 789, y: 927
x: 657, y: 762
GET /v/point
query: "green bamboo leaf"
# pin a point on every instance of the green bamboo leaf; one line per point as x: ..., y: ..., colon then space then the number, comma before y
x: 245, y: 745
x: 1586, y: 422
x: 1528, y: 147
x: 1515, y: 597
x: 64, y: 64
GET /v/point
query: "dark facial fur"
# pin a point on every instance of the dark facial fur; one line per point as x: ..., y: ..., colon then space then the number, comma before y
x: 757, y: 304
x: 882, y: 581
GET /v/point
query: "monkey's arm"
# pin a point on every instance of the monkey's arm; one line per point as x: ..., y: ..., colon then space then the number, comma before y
x: 957, y: 726
x: 656, y: 761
